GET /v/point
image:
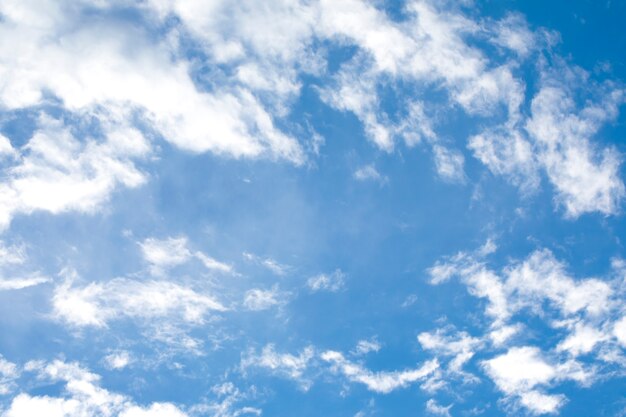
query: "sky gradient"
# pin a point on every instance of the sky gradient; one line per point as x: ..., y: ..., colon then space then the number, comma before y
x: 312, y: 208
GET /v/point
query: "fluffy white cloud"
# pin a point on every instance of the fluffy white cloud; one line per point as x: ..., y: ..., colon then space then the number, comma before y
x: 513, y: 33
x: 118, y: 360
x: 369, y: 173
x: 519, y: 371
x: 257, y: 299
x: 382, y: 382
x: 539, y: 403
x: 58, y: 173
x: 619, y: 330
x: 82, y: 396
x: 363, y: 347
x: 526, y: 285
x: 20, y: 283
x: 586, y: 179
x: 507, y: 153
x: 285, y: 365
x: 166, y: 253
x: 460, y: 346
x: 105, y: 70
x: 581, y: 340
x: 449, y: 164
x: 98, y: 303
x: 582, y: 312
x: 128, y: 69
x: 8, y: 373
x: 12, y: 255
x: 213, y: 264
x: 439, y: 410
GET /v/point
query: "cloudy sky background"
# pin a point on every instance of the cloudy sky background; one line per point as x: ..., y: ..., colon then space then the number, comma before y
x: 303, y: 208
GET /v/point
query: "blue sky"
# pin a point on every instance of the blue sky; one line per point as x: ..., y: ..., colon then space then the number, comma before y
x: 312, y: 207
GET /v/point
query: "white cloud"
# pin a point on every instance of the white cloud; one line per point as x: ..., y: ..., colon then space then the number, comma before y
x: 520, y: 369
x: 166, y: 252
x: 586, y: 178
x: 519, y: 372
x: 82, y: 396
x: 257, y: 299
x: 21, y: 283
x: 512, y: 32
x: 581, y: 340
x: 12, y: 255
x: 581, y: 311
x: 509, y: 154
x: 59, y: 173
x: 332, y: 282
x: 502, y: 334
x: 369, y: 173
x: 461, y: 346
x: 154, y: 410
x: 8, y: 373
x: 130, y: 69
x: 6, y: 148
x: 282, y: 364
x: 227, y: 402
x: 449, y: 164
x: 213, y: 264
x: 173, y: 251
x: 109, y: 73
x: 118, y: 360
x: 541, y: 277
x: 113, y: 73
x: 619, y: 330
x: 363, y: 347
x: 539, y: 403
x: 274, y: 266
x: 98, y: 303
x: 439, y: 410
x: 381, y: 382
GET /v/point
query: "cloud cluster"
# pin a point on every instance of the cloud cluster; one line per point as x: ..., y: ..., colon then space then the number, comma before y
x: 99, y: 303
x: 82, y: 396
x: 311, y: 362
x: 585, y: 314
x: 217, y: 81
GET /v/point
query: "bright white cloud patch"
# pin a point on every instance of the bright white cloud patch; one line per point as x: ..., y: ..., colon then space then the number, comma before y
x: 461, y: 347
x: 20, y: 283
x: 257, y: 299
x: 586, y: 179
x: 281, y: 364
x: 82, y: 396
x: 118, y: 360
x: 381, y: 382
x: 439, y: 410
x: 173, y: 251
x: 8, y: 373
x: 97, y: 304
x: 582, y: 310
x: 519, y: 372
x: 167, y: 252
x: 58, y: 172
x: 363, y: 347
